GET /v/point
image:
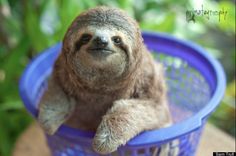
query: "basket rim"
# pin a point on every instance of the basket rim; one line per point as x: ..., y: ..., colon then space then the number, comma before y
x: 153, y: 136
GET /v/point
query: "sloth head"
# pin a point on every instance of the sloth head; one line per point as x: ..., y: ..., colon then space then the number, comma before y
x: 102, y: 45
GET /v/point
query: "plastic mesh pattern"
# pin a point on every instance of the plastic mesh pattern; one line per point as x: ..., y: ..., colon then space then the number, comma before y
x: 184, y: 146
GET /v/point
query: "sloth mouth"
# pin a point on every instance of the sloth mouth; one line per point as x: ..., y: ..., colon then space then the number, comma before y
x: 100, y: 51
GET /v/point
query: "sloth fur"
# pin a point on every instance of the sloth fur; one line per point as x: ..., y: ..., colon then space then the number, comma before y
x: 105, y: 81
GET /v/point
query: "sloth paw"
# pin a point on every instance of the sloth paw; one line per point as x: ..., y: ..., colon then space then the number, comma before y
x: 108, y: 137
x: 48, y: 126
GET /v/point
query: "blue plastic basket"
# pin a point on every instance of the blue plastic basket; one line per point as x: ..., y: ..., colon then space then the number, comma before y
x: 196, y: 84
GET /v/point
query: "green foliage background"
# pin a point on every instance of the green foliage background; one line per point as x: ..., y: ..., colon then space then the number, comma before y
x: 29, y: 26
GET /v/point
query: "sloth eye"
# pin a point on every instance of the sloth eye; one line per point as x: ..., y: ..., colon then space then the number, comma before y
x: 85, y: 38
x: 116, y: 40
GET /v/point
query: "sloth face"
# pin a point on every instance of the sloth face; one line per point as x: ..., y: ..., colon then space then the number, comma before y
x: 100, y: 53
x: 99, y: 45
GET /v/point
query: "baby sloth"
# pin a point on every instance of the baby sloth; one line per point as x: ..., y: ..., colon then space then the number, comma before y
x: 105, y: 81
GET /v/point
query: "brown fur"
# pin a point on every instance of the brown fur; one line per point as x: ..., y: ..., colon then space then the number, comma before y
x: 118, y: 100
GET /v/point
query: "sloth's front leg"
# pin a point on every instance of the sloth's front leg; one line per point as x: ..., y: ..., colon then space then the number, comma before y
x: 126, y: 119
x: 55, y: 107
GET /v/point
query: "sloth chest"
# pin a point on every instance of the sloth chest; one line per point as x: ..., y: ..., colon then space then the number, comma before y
x: 90, y: 109
x: 97, y: 101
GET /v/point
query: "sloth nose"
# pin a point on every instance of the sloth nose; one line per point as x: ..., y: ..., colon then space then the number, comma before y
x: 101, y: 41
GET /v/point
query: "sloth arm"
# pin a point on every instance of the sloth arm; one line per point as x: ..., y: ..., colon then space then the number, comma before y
x: 129, y: 117
x: 126, y: 119
x: 55, y: 107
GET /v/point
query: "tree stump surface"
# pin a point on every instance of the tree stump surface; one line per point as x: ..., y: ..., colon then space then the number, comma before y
x: 32, y: 142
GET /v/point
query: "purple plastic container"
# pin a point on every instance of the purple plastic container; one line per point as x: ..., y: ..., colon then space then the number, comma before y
x: 196, y: 84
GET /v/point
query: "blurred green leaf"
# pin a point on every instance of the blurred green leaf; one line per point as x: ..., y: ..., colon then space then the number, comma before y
x: 231, y: 89
x: 126, y: 5
x: 227, y: 23
x: 12, y: 123
x: 32, y: 27
x: 67, y: 13
x: 90, y: 4
x: 12, y: 65
x: 166, y: 25
x: 11, y: 105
